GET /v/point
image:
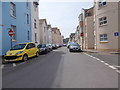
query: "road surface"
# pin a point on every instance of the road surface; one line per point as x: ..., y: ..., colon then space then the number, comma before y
x: 60, y: 69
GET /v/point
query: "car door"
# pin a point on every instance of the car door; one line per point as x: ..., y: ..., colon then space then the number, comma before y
x: 28, y: 50
x: 33, y: 49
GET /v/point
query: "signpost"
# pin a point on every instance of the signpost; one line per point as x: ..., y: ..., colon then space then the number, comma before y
x: 11, y: 33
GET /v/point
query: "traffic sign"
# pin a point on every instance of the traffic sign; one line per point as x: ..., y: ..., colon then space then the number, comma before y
x: 116, y: 34
x: 11, y: 32
x: 81, y: 34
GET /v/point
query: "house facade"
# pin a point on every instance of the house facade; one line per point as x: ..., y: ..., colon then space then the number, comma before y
x: 35, y: 21
x: 88, y: 28
x: 0, y: 28
x: 49, y: 34
x: 106, y: 25
x: 56, y: 36
x: 15, y: 16
x: 43, y: 31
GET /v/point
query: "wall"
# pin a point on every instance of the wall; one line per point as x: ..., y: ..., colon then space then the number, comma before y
x: 111, y: 11
x: 0, y: 28
x: 20, y: 22
x: 35, y: 15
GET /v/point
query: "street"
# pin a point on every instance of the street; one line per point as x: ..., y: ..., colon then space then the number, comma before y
x: 60, y: 69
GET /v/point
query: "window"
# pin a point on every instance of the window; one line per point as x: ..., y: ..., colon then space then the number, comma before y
x: 12, y: 9
x: 27, y: 4
x: 14, y: 29
x: 102, y: 3
x: 102, y: 21
x: 44, y: 29
x: 35, y: 25
x: 28, y: 35
x: 103, y: 37
x: 27, y: 18
x: 35, y: 37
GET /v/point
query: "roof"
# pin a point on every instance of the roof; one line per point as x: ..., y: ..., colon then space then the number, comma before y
x: 43, y: 20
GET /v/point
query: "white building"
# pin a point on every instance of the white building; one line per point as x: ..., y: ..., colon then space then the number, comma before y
x: 49, y: 34
x: 35, y: 21
x: 43, y: 31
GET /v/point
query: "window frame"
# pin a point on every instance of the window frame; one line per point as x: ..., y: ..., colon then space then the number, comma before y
x: 101, y: 3
x: 102, y: 21
x: 103, y: 37
x: 28, y: 19
x: 12, y: 9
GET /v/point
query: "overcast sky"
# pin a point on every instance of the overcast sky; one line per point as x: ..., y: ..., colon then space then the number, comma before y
x: 63, y: 15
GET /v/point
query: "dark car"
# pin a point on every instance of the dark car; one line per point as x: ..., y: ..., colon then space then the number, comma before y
x: 74, y: 47
x: 43, y: 48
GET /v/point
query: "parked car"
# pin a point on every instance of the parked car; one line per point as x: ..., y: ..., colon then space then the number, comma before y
x: 74, y: 47
x: 69, y: 44
x: 49, y: 46
x: 57, y: 45
x: 54, y: 46
x: 21, y: 51
x: 43, y: 48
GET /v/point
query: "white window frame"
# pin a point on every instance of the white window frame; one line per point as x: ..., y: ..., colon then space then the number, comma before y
x: 103, y: 37
x: 103, y: 21
x: 12, y: 9
x: 101, y: 3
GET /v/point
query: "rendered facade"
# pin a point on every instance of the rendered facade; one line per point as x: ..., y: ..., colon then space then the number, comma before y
x: 106, y: 25
x: 16, y: 16
x: 35, y: 22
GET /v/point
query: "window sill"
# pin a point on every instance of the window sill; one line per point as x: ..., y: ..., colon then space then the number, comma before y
x: 14, y: 40
x: 101, y: 7
x: 13, y: 16
x: 103, y: 25
x: 103, y: 41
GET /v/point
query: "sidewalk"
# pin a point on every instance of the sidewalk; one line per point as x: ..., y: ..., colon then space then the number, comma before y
x: 96, y: 51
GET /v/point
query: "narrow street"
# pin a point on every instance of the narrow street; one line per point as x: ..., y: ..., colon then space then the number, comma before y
x: 60, y: 69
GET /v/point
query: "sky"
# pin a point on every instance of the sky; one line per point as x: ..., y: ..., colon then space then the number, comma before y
x: 63, y: 15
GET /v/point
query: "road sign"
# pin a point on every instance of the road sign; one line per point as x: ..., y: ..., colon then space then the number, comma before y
x: 11, y: 32
x: 116, y: 34
x: 81, y: 34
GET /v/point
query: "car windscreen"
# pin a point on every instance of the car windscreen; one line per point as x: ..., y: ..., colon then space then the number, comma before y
x: 18, y: 47
x: 42, y: 46
x: 74, y: 44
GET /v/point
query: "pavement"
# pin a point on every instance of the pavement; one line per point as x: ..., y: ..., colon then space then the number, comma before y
x: 61, y: 69
x: 96, y: 51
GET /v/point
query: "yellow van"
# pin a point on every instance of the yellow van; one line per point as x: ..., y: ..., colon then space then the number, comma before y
x: 21, y: 51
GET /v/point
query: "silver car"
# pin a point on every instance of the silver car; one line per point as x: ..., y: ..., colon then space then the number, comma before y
x: 74, y: 47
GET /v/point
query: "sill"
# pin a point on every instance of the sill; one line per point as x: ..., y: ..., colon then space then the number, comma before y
x: 103, y: 25
x: 103, y: 41
x: 13, y: 16
x: 13, y: 40
x: 101, y: 7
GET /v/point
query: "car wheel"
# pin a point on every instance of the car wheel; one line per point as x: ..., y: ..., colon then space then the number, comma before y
x: 37, y: 54
x: 25, y: 57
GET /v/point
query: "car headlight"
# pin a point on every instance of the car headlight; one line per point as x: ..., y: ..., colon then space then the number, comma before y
x: 19, y: 52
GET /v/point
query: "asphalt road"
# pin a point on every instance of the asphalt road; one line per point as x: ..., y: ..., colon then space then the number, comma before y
x: 60, y: 69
